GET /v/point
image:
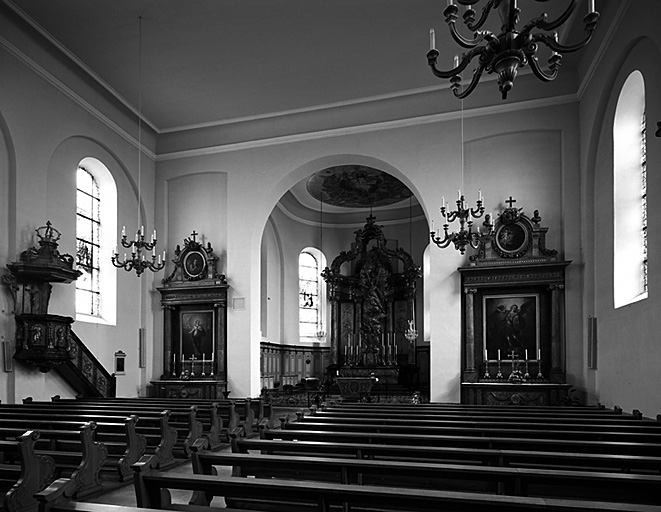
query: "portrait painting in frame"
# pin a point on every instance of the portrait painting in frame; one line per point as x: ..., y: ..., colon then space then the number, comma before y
x: 511, y: 324
x: 197, y: 334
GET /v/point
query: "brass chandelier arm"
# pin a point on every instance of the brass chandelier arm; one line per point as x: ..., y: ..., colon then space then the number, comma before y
x: 477, y: 74
x: 590, y: 21
x: 469, y: 15
x: 554, y: 62
x: 542, y: 24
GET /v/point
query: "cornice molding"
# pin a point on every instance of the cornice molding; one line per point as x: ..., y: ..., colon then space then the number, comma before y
x: 371, y: 127
x: 69, y: 93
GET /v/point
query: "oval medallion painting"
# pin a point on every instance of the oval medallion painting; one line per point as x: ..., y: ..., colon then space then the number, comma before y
x: 512, y: 239
x: 356, y: 186
x: 194, y: 265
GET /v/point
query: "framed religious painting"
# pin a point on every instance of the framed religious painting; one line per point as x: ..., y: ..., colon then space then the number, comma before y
x: 197, y: 334
x: 195, y: 264
x: 511, y: 325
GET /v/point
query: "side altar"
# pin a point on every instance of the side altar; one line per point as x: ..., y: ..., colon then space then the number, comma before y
x: 372, y: 327
x: 513, y: 316
x: 194, y: 300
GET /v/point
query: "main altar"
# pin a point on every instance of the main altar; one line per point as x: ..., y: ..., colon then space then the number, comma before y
x: 372, y: 311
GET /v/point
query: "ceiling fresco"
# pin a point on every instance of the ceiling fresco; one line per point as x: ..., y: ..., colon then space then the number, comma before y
x: 356, y: 186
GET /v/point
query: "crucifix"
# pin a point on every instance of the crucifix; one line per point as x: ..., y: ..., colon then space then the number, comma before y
x: 511, y: 201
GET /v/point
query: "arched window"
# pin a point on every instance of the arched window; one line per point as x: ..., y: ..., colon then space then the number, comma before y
x: 630, y: 194
x: 88, y: 226
x: 96, y: 224
x: 311, y: 297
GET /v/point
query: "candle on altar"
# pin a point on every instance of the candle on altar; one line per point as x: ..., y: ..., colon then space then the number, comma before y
x: 498, y: 354
x: 486, y: 356
x: 539, y: 354
x: 526, y: 354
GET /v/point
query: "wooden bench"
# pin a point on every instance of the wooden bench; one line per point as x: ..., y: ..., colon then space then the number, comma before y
x: 184, y: 418
x: 208, y: 419
x: 82, y: 459
x: 501, y: 480
x: 425, y: 410
x: 123, y: 444
x: 153, y: 490
x: 501, y: 429
x: 489, y: 457
x: 19, y: 483
x: 472, y: 441
x: 617, y: 422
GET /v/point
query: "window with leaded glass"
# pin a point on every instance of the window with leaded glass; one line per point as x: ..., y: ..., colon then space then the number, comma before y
x: 630, y: 248
x: 309, y: 299
x: 88, y: 227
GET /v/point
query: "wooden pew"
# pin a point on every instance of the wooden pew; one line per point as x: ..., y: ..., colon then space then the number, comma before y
x: 237, y: 412
x: 208, y: 413
x: 644, y: 464
x: 474, y: 441
x: 501, y: 480
x: 650, y: 427
x: 619, y: 421
x: 124, y: 445
x: 183, y: 418
x: 500, y: 429
x: 423, y: 410
x: 19, y: 483
x: 82, y: 459
x: 153, y: 490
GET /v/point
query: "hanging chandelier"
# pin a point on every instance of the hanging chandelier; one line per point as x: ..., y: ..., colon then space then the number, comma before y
x: 466, y: 236
x: 139, y: 261
x: 510, y: 50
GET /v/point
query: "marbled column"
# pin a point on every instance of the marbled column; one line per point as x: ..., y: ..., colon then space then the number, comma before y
x: 470, y: 373
x: 335, y: 332
x: 557, y: 326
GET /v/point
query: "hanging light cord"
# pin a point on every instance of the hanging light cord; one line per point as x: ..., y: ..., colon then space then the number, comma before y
x: 139, y: 113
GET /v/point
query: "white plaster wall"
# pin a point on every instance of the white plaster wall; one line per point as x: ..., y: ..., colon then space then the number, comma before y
x: 272, y: 295
x: 628, y: 346
x: 51, y: 131
x: 427, y: 159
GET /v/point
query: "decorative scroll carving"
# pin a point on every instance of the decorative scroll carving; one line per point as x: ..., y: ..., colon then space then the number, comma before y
x: 515, y: 238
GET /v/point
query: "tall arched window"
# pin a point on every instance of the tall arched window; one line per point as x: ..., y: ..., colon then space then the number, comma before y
x: 630, y: 194
x: 88, y: 226
x: 96, y: 225
x: 311, y: 297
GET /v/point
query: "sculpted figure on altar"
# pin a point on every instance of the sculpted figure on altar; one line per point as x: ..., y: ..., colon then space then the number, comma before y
x: 374, y: 283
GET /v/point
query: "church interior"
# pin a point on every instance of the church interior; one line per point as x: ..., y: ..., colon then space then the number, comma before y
x: 228, y: 227
x: 292, y: 165
x: 248, y: 134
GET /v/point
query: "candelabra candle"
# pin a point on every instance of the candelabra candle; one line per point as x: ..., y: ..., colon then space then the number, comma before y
x: 486, y: 369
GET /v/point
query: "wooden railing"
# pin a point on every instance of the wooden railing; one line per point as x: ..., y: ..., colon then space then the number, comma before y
x: 85, y: 372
